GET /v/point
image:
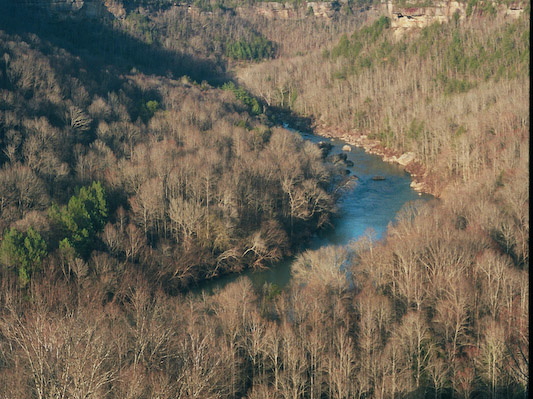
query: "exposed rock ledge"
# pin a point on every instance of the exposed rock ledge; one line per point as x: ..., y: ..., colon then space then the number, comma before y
x: 422, y: 181
x: 405, y: 18
x: 90, y: 9
x: 289, y: 10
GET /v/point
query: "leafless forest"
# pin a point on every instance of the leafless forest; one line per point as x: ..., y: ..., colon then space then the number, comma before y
x: 140, y: 157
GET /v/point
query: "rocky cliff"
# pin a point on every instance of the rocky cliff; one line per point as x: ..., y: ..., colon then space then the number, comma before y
x: 273, y: 10
x: 78, y: 8
x: 405, y: 17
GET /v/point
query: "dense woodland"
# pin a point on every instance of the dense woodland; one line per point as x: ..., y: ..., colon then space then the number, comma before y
x: 140, y: 157
x: 451, y: 93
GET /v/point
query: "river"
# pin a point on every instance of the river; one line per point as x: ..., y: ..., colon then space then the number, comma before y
x: 367, y: 208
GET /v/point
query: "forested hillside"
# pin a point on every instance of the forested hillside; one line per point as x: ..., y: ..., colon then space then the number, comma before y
x: 140, y: 157
x: 451, y: 93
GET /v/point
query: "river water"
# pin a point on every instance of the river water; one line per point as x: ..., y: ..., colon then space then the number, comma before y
x: 368, y: 208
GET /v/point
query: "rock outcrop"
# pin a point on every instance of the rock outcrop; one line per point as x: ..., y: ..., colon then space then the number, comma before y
x: 116, y: 8
x: 322, y: 9
x: 275, y: 10
x: 91, y: 9
x: 406, y: 18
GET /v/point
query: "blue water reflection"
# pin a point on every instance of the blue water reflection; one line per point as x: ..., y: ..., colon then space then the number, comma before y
x: 369, y: 207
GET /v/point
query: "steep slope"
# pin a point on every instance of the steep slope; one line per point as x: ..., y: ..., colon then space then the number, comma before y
x: 436, y: 92
x: 196, y: 184
x: 123, y: 181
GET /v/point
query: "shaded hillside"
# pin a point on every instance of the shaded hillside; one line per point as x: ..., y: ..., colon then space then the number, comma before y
x: 194, y: 183
x: 104, y: 43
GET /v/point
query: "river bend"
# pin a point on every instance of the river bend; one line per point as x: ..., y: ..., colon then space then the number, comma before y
x: 381, y: 190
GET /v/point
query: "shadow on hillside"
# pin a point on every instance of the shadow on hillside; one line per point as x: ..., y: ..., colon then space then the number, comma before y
x: 280, y: 116
x: 99, y: 46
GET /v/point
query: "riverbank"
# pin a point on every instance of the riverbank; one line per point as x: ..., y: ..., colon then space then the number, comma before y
x: 422, y: 181
x: 382, y: 189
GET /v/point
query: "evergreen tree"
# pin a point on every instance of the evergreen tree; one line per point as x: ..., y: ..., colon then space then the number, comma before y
x: 84, y: 216
x: 24, y: 252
